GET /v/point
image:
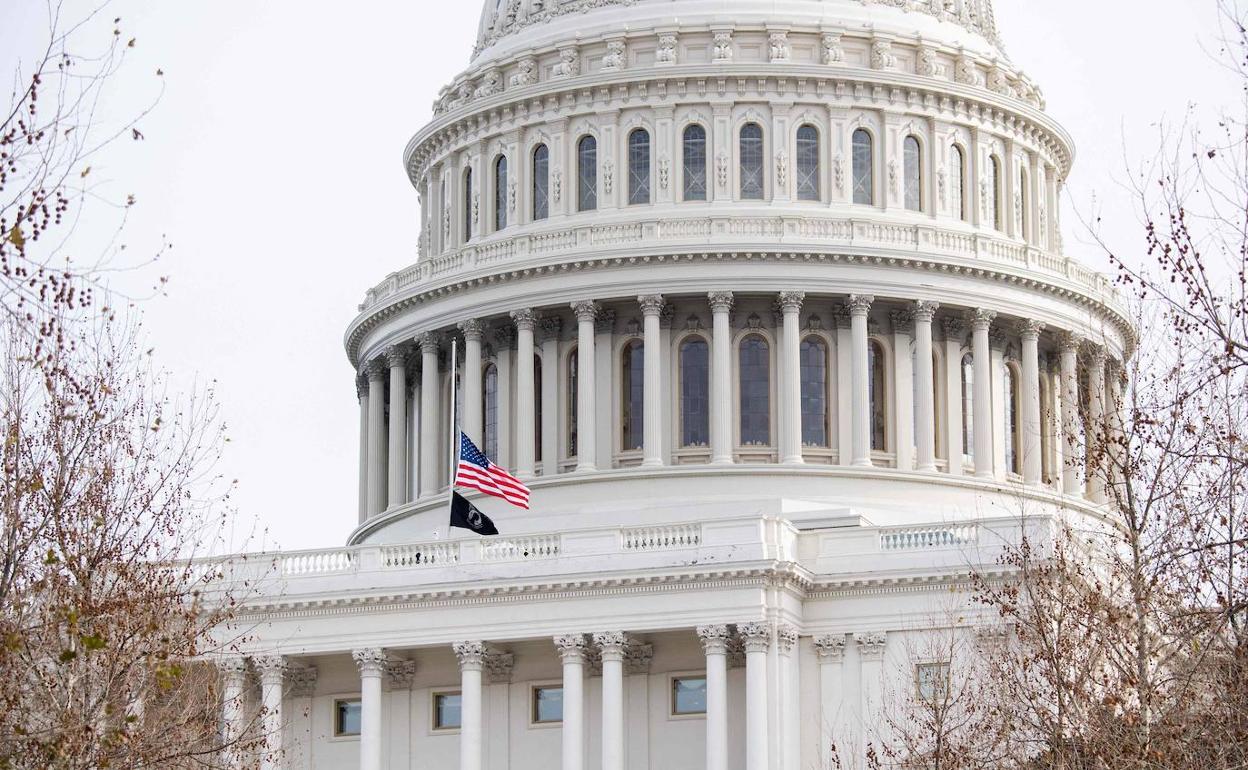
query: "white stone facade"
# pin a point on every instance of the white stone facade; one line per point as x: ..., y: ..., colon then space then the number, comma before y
x: 766, y: 301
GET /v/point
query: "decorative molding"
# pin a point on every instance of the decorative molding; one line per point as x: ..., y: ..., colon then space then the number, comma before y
x: 755, y: 636
x: 714, y: 638
x: 302, y: 680
x: 498, y: 666
x: 471, y: 655
x: 871, y: 645
x: 572, y: 648
x: 925, y: 310
x: 400, y: 673
x: 651, y: 304
x: 638, y: 657
x: 721, y: 301
x: 371, y: 661
x: 791, y: 301
x: 859, y: 305
x: 586, y: 310
x: 786, y: 637
x: 525, y: 319
x: 830, y: 648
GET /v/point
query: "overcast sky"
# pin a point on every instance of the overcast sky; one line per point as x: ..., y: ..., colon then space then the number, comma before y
x: 273, y: 164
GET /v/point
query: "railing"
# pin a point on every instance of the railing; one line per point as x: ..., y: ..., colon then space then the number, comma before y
x: 520, y: 548
x: 920, y: 538
x: 317, y: 562
x: 661, y: 538
x: 414, y: 555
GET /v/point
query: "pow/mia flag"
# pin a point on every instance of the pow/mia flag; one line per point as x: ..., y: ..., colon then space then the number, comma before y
x: 465, y: 515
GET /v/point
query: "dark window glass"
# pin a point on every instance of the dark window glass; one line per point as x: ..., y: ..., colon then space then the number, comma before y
x: 489, y: 410
x: 755, y: 382
x: 689, y: 695
x: 639, y: 167
x: 695, y: 163
x: 695, y: 377
x: 587, y: 173
x: 347, y: 717
x: 913, y: 162
x: 573, y: 366
x: 537, y: 408
x: 994, y: 193
x: 957, y: 184
x: 634, y: 371
x: 500, y: 193
x: 879, y: 407
x: 447, y: 710
x: 808, y: 170
x: 814, y: 365
x: 932, y: 682
x: 541, y: 182
x: 864, y: 168
x: 752, y: 161
x: 547, y: 704
x: 1012, y: 458
x: 467, y: 205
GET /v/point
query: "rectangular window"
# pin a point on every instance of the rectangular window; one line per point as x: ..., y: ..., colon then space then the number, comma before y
x: 688, y: 695
x: 547, y: 705
x: 447, y: 710
x: 932, y: 681
x: 346, y: 717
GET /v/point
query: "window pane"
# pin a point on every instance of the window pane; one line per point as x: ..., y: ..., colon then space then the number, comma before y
x: 1011, y: 421
x: 500, y: 194
x: 1025, y: 205
x: 695, y: 163
x: 932, y: 680
x: 639, y: 167
x: 957, y: 200
x: 968, y: 407
x: 573, y: 366
x: 695, y: 393
x: 755, y: 377
x: 447, y: 710
x: 347, y: 717
x: 808, y: 163
x: 879, y: 423
x: 814, y: 365
x: 634, y: 371
x: 548, y: 704
x: 587, y: 173
x: 752, y: 161
x: 537, y: 408
x: 913, y: 162
x: 994, y: 198
x: 489, y: 409
x: 541, y: 182
x: 689, y: 695
x: 468, y: 205
x: 864, y: 172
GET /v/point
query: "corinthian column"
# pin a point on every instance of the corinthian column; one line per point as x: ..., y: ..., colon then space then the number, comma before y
x: 272, y: 670
x: 1029, y: 333
x: 233, y: 681
x: 982, y: 397
x: 925, y: 399
x: 396, y: 357
x: 1096, y: 435
x: 1071, y: 449
x: 757, y: 640
x: 859, y: 306
x: 612, y: 644
x: 715, y: 643
x: 721, y: 385
x: 471, y: 661
x: 586, y: 389
x: 372, y: 664
x: 376, y: 437
x: 361, y: 395
x: 652, y: 309
x: 471, y: 378
x: 526, y: 399
x: 572, y: 652
x: 430, y: 416
x: 833, y: 730
x: 791, y: 402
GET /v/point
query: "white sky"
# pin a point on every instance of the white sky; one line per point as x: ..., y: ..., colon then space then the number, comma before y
x: 273, y: 164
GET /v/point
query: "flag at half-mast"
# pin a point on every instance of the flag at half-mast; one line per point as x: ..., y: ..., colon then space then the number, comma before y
x: 475, y: 471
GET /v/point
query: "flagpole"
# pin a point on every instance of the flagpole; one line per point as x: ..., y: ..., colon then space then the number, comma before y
x: 455, y: 441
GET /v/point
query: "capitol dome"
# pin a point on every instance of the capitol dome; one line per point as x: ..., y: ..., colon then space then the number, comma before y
x: 765, y: 301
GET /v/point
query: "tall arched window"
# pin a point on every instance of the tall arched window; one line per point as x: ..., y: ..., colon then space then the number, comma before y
x: 489, y: 410
x: 968, y: 408
x: 695, y: 386
x: 541, y: 182
x: 814, y: 373
x: 879, y: 397
x: 694, y: 149
x: 751, y: 161
x: 468, y: 204
x: 445, y: 212
x: 808, y: 170
x: 632, y: 389
x: 1013, y: 450
x: 755, y: 391
x: 913, y: 163
x: 1024, y: 195
x: 500, y: 193
x: 957, y: 186
x: 864, y: 167
x: 994, y: 193
x: 587, y: 173
x: 537, y: 407
x: 573, y: 398
x: 639, y: 166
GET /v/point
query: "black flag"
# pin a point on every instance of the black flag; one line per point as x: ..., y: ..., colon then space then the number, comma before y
x: 467, y: 516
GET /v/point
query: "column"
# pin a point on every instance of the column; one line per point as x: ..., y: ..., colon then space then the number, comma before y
x: 1029, y: 332
x: 980, y: 324
x: 272, y: 670
x: 586, y: 388
x: 372, y: 664
x: 301, y: 687
x: 234, y: 680
x: 955, y: 331
x: 871, y: 664
x: 551, y: 328
x: 612, y: 644
x: 859, y: 306
x: 361, y: 395
x: 715, y: 643
x: 757, y: 640
x: 396, y: 357
x: 572, y: 652
x: 471, y: 661
x: 1095, y: 432
x: 791, y: 402
x: 652, y: 310
x: 833, y: 725
x: 721, y: 383
x: 924, y: 384
x: 376, y: 437
x: 1070, y: 446
x: 431, y: 478
x: 789, y: 706
x: 844, y: 385
x: 470, y: 374
x: 526, y: 428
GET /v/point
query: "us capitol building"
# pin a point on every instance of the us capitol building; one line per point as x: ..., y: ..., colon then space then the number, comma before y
x: 766, y: 302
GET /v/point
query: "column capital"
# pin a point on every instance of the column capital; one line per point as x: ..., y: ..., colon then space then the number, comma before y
x: 377, y: 369
x: 786, y: 637
x: 859, y: 305
x: 925, y: 310
x: 612, y: 644
x: 571, y: 647
x: 954, y: 327
x: 637, y: 657
x: 471, y: 655
x: 871, y: 646
x: 586, y: 310
x: 1097, y: 355
x: 524, y: 319
x: 428, y: 343
x: 1029, y: 329
x: 472, y: 329
x: 714, y: 638
x: 651, y: 304
x: 840, y: 315
x: 604, y: 322
x: 902, y: 321
x: 271, y: 668
x: 396, y: 356
x: 831, y: 647
x: 498, y: 666
x: 400, y: 673
x: 721, y: 301
x: 551, y: 327
x: 791, y: 301
x: 1069, y: 341
x: 756, y: 636
x: 982, y: 319
x: 232, y: 667
x: 302, y: 680
x: 370, y: 660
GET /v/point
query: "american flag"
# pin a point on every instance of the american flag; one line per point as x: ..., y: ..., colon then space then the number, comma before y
x: 475, y: 471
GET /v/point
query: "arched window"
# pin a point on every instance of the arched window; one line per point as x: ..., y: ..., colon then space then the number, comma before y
x: 500, y: 193
x: 633, y: 388
x: 913, y: 163
x: 1024, y: 196
x: 1048, y: 426
x: 814, y: 373
x: 573, y: 366
x: 957, y: 187
x: 879, y: 397
x: 808, y: 170
x: 445, y: 211
x: 994, y: 193
x: 537, y: 408
x: 1013, y: 453
x: 639, y: 167
x: 695, y: 386
x: 489, y: 410
x: 968, y: 408
x: 541, y: 182
x: 468, y: 205
x: 752, y: 161
x: 755, y: 391
x: 695, y: 162
x: 587, y: 173
x: 864, y: 167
